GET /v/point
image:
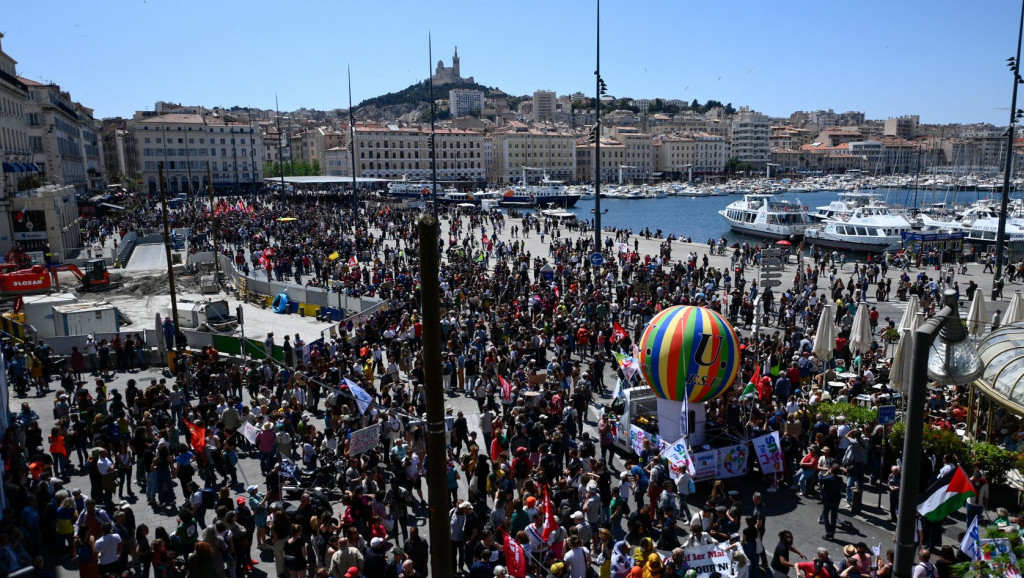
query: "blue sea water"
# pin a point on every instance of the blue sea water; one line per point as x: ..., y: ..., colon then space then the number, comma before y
x: 698, y: 218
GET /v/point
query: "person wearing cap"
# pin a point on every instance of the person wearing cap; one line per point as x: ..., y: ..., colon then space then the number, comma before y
x: 375, y: 558
x: 458, y: 534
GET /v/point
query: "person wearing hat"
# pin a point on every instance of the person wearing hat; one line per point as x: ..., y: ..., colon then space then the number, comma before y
x: 266, y: 443
x: 458, y: 534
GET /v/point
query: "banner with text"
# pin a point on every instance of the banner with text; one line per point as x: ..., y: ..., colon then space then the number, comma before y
x: 769, y: 452
x: 678, y: 458
x: 708, y: 559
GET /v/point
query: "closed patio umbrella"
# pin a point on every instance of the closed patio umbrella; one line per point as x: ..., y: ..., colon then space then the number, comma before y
x: 825, y: 336
x: 860, y: 334
x: 902, y: 361
x: 977, y: 316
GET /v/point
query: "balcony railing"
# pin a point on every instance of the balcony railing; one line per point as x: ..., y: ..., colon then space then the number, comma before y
x: 13, y: 80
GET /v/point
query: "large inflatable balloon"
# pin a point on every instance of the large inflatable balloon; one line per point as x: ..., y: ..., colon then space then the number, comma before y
x: 689, y: 353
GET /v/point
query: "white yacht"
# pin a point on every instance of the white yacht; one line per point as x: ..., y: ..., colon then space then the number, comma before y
x: 872, y: 228
x: 848, y: 202
x: 766, y: 216
x: 979, y: 223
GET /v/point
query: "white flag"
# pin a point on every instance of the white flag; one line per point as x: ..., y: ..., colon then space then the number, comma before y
x: 249, y: 432
x: 969, y: 546
x: 363, y: 399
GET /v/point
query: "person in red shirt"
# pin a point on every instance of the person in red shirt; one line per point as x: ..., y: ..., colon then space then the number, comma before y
x: 820, y: 567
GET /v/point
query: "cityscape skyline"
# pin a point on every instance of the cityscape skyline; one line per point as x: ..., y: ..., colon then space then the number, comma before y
x: 883, y: 59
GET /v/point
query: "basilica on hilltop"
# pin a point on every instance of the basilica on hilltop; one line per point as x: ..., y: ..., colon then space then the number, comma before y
x: 450, y: 74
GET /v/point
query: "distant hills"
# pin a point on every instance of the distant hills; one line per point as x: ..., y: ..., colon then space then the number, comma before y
x: 420, y: 94
x: 416, y: 97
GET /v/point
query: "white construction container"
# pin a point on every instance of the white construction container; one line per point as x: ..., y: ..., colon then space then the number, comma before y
x: 85, y: 319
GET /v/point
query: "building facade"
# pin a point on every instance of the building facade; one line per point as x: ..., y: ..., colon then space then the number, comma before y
x: 749, y: 138
x: 393, y: 152
x: 545, y: 152
x: 185, y: 143
x: 463, y: 102
x: 613, y: 155
x: 46, y: 219
x: 545, y: 104
x: 15, y: 148
x: 64, y: 138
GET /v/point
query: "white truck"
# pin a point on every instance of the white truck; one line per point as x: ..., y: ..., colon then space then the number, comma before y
x: 638, y: 407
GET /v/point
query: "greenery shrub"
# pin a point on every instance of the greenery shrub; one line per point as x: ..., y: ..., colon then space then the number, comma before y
x: 853, y: 413
x: 995, y: 461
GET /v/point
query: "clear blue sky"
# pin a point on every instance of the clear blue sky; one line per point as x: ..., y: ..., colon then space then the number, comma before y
x: 943, y: 60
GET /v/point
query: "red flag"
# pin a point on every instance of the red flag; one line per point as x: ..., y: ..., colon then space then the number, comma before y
x: 550, y: 523
x: 515, y: 557
x: 756, y: 380
x: 506, y: 389
x: 618, y: 332
x: 197, y: 435
x: 352, y: 261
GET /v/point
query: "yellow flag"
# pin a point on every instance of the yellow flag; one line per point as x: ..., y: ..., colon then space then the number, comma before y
x: 333, y: 256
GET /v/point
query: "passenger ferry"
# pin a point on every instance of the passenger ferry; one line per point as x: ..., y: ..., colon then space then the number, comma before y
x: 873, y: 228
x: 766, y: 216
x: 848, y: 202
x: 547, y: 193
x: 419, y: 190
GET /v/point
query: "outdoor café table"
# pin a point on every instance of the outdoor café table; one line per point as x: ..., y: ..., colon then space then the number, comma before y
x: 847, y: 375
x: 864, y: 399
x: 835, y: 387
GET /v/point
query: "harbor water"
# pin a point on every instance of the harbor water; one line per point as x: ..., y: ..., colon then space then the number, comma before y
x: 698, y: 218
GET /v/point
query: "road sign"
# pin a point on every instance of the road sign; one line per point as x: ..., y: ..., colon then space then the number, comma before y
x: 771, y: 253
x: 596, y: 259
x: 886, y: 414
x: 771, y: 283
x: 771, y: 262
x: 770, y: 275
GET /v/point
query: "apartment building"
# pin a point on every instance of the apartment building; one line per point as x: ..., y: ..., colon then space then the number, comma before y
x: 462, y: 102
x: 15, y: 148
x: 638, y: 162
x: 697, y: 154
x: 394, y: 152
x: 186, y: 142
x: 749, y: 137
x: 544, y: 106
x: 613, y: 155
x: 64, y: 138
x: 549, y: 152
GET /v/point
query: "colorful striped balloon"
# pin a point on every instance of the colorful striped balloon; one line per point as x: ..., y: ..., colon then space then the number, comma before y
x: 689, y: 353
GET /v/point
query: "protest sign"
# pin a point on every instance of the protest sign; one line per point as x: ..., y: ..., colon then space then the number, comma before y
x: 361, y: 440
x: 769, y: 452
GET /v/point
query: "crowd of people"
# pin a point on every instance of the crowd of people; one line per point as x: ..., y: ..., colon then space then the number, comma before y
x: 536, y: 463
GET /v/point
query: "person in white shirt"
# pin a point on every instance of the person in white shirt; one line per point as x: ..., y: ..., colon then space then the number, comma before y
x: 841, y: 432
x: 577, y: 558
x: 109, y: 549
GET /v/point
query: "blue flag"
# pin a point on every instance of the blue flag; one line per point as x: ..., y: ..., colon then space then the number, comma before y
x: 288, y: 469
x: 363, y: 399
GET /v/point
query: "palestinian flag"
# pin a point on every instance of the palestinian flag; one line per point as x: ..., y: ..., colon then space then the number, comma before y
x: 946, y: 495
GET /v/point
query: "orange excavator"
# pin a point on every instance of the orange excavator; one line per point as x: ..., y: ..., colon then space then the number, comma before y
x: 94, y: 278
x: 34, y: 279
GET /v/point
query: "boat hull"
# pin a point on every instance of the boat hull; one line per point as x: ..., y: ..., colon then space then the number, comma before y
x: 544, y: 201
x: 849, y: 245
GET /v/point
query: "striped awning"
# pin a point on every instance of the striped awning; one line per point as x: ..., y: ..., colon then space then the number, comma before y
x: 21, y: 168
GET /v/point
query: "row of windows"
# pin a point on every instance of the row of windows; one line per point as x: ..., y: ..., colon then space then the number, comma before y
x: 866, y: 231
x: 148, y: 152
x: 201, y: 141
x: 442, y: 144
x: 415, y: 166
x: 401, y: 155
x: 196, y: 166
x: 165, y: 129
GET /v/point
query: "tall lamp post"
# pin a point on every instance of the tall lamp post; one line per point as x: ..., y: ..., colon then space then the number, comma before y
x: 601, y: 89
x: 943, y: 353
x: 1014, y: 63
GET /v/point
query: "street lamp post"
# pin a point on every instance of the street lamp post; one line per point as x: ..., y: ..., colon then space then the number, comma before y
x: 1014, y: 64
x: 949, y: 359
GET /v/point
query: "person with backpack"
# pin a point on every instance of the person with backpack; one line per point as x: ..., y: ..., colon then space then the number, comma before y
x: 924, y: 568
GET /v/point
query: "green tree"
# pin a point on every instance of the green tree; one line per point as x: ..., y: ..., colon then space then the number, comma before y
x: 314, y: 168
x: 735, y: 165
